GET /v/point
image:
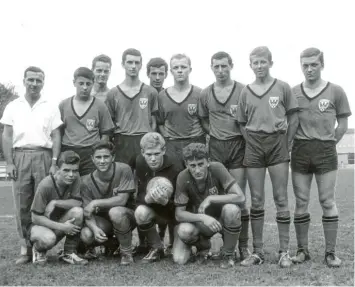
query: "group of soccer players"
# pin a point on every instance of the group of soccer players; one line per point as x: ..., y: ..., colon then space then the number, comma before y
x: 82, y: 170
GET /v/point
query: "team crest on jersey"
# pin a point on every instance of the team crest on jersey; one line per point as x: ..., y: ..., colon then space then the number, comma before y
x: 233, y: 110
x: 213, y: 191
x: 143, y: 103
x: 273, y: 102
x: 323, y: 104
x: 192, y: 108
x: 90, y: 124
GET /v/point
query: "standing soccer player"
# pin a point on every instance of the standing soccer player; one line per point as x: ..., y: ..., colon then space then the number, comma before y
x: 322, y: 104
x: 178, y: 114
x: 132, y: 106
x: 108, y: 202
x: 31, y: 145
x: 56, y: 212
x: 101, y: 67
x: 218, y: 111
x: 267, y: 112
x: 86, y: 120
x: 157, y: 71
x: 207, y: 201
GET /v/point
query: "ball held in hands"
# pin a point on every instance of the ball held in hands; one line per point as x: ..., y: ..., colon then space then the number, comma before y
x: 159, y: 190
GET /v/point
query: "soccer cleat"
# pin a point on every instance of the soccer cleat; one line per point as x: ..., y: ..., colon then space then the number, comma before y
x: 73, y: 259
x: 284, y: 260
x: 38, y: 258
x: 153, y: 255
x: 332, y: 260
x: 168, y: 250
x: 201, y: 257
x: 90, y: 254
x: 244, y: 253
x: 228, y: 261
x: 126, y: 259
x: 23, y: 259
x: 140, y: 249
x: 253, y: 259
x: 302, y: 255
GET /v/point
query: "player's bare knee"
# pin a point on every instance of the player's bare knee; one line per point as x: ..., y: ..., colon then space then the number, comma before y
x: 327, y: 203
x: 231, y: 214
x: 116, y: 214
x: 46, y: 241
x: 77, y: 213
x: 186, y: 231
x: 281, y: 202
x: 143, y: 214
x: 87, y: 236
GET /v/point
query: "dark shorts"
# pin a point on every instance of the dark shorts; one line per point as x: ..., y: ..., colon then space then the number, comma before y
x: 174, y: 146
x: 86, y: 164
x: 263, y: 150
x: 127, y: 148
x: 164, y: 214
x: 314, y: 156
x: 228, y: 152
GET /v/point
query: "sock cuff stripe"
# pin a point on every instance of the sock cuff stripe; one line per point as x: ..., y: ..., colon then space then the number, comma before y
x: 245, y: 217
x: 330, y: 217
x: 233, y: 229
x: 299, y: 221
x: 146, y: 226
x: 256, y: 212
x: 257, y: 217
x: 330, y: 220
x: 121, y: 232
x: 284, y: 220
x: 302, y: 216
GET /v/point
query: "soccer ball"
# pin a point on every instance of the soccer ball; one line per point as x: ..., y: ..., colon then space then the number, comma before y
x: 164, y: 185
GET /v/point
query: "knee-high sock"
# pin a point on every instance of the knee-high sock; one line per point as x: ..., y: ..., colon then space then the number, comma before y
x: 302, y: 222
x: 71, y: 243
x: 150, y: 231
x: 230, y: 238
x: 244, y: 233
x: 125, y: 239
x: 257, y: 226
x: 283, y: 224
x: 330, y: 228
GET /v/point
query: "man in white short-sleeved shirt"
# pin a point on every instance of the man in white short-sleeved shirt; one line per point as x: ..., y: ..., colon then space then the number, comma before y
x: 31, y: 145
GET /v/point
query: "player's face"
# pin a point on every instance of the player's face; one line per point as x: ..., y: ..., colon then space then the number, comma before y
x: 102, y: 71
x: 132, y: 65
x: 221, y: 69
x: 102, y: 159
x: 312, y: 68
x: 180, y: 69
x: 260, y: 66
x: 83, y: 87
x: 198, y: 168
x: 33, y: 83
x: 154, y: 157
x: 67, y: 173
x: 157, y: 76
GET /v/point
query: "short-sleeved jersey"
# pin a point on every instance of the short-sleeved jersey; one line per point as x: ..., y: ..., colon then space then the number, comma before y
x: 170, y: 170
x: 317, y: 115
x: 267, y: 112
x: 122, y: 181
x: 218, y: 182
x: 222, y: 116
x: 132, y: 115
x: 84, y: 130
x: 180, y: 120
x: 48, y: 190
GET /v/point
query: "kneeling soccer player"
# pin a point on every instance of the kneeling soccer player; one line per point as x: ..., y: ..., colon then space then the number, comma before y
x: 56, y: 212
x: 208, y: 200
x: 107, y: 196
x: 153, y: 162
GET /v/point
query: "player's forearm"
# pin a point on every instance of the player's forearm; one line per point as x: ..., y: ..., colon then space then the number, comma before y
x: 68, y: 203
x: 107, y: 203
x: 341, y: 129
x: 186, y: 216
x: 205, y: 122
x: 238, y: 199
x: 154, y: 123
x: 91, y: 223
x: 162, y: 131
x: 57, y: 143
x: 7, y: 145
x: 293, y: 123
x: 41, y: 220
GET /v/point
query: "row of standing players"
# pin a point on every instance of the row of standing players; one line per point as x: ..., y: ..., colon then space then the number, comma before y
x: 251, y: 128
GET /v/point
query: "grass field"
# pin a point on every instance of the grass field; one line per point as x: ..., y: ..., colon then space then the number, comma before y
x: 109, y: 272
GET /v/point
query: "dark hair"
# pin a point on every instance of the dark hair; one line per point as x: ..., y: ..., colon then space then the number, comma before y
x: 101, y: 58
x: 85, y: 73
x: 68, y: 157
x: 220, y: 56
x: 33, y: 69
x: 131, y: 51
x: 195, y: 151
x: 104, y: 144
x: 157, y: 63
x: 310, y: 52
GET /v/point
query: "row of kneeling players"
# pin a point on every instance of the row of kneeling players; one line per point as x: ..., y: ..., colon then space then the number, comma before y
x: 251, y: 128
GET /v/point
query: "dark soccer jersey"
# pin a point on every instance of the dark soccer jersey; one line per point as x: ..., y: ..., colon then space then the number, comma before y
x: 121, y: 182
x: 218, y: 182
x: 222, y: 116
x: 318, y: 115
x: 268, y: 112
x: 48, y: 190
x: 132, y: 116
x: 85, y: 130
x: 180, y: 120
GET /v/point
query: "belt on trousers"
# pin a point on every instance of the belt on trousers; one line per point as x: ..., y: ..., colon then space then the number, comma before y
x: 29, y: 149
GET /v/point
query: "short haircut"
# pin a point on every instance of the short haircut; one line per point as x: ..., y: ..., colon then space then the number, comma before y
x: 261, y: 51
x: 195, y: 151
x: 220, y: 56
x: 157, y: 63
x: 310, y: 52
x: 101, y: 58
x: 152, y: 140
x: 132, y: 52
x: 104, y: 144
x: 85, y: 73
x: 179, y: 57
x: 33, y: 69
x: 68, y: 157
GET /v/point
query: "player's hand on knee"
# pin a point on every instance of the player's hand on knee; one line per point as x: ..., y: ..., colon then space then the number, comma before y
x: 89, y: 210
x: 212, y: 223
x: 49, y: 208
x: 11, y: 170
x: 69, y: 228
x: 100, y: 235
x: 204, y: 204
